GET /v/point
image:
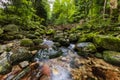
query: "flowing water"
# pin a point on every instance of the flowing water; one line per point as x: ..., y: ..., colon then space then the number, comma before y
x: 60, y: 66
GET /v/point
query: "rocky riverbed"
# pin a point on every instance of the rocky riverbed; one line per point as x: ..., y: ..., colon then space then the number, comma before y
x: 19, y: 63
x: 62, y: 53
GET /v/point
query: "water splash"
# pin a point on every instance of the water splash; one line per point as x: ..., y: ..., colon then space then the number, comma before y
x: 60, y: 73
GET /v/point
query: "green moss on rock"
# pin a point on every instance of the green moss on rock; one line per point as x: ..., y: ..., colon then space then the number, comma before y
x: 98, y: 55
x: 73, y: 37
x: 87, y: 37
x: 85, y: 48
x: 31, y: 36
x: 112, y: 57
x: 1, y: 31
x: 37, y: 41
x: 20, y: 55
x: 50, y: 31
x: 5, y: 66
x: 26, y: 42
x: 107, y: 42
x: 11, y: 28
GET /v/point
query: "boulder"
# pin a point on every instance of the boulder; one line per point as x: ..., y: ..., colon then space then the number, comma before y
x: 31, y: 36
x: 73, y: 37
x: 85, y: 48
x: 50, y: 32
x: 112, y: 57
x: 21, y: 55
x: 107, y: 42
x: 87, y: 37
x: 62, y: 39
x: 26, y: 42
x: 5, y: 66
x: 48, y: 53
x: 1, y: 31
x: 37, y: 41
x: 11, y: 28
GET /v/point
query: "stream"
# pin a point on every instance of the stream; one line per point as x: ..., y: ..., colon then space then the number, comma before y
x: 60, y: 66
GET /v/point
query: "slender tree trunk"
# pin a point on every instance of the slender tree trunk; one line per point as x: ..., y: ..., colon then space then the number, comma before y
x: 104, y: 8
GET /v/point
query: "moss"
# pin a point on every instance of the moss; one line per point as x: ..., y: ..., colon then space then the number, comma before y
x: 85, y: 48
x: 21, y: 55
x: 5, y: 67
x: 98, y: 55
x: 50, y: 31
x: 37, y: 33
x: 19, y: 36
x: 31, y: 36
x: 26, y: 42
x: 107, y: 42
x: 112, y: 57
x: 1, y: 31
x: 11, y: 28
x: 40, y: 31
x: 87, y: 37
x: 37, y: 41
x: 73, y: 37
x: 7, y: 37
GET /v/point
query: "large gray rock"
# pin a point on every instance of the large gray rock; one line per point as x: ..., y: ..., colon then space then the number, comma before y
x: 85, y: 48
x: 5, y: 66
x: 107, y: 42
x: 112, y: 57
x: 20, y: 55
x: 48, y: 53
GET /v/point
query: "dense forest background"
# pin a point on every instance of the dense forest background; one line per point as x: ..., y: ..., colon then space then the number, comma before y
x: 33, y: 13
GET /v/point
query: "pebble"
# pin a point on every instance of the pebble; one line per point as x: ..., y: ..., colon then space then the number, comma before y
x: 24, y: 64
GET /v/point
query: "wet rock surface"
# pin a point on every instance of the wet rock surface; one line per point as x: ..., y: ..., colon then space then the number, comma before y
x: 85, y: 48
x: 47, y: 64
x: 112, y: 57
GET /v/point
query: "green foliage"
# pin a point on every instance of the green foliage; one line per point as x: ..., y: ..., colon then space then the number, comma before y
x: 63, y: 11
x: 21, y: 12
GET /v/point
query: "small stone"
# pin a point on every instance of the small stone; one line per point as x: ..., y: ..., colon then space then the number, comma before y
x: 34, y: 52
x: 63, y: 59
x: 24, y: 64
x: 10, y: 45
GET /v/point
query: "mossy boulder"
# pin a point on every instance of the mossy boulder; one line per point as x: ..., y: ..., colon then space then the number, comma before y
x: 107, y: 42
x: 62, y: 39
x: 5, y: 66
x: 50, y: 32
x: 87, y: 37
x: 85, y: 48
x: 26, y: 42
x: 21, y: 54
x: 11, y: 28
x: 74, y: 37
x: 37, y: 41
x: 18, y: 36
x: 1, y: 31
x: 39, y: 31
x: 112, y: 57
x: 64, y: 42
x: 31, y: 36
x: 98, y: 55
x: 7, y: 37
